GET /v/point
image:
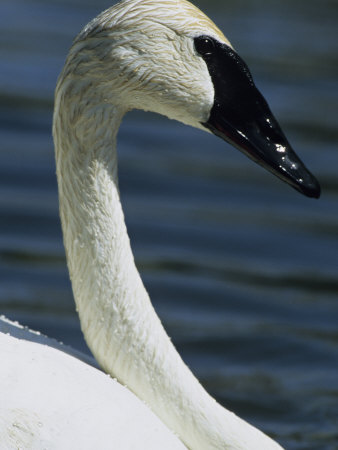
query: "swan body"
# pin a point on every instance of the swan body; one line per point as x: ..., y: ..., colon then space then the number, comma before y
x: 169, y: 58
x: 81, y: 406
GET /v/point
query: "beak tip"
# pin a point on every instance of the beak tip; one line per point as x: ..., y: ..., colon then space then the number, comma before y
x: 311, y: 189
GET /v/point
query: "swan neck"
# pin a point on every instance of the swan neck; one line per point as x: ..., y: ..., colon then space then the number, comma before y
x: 118, y: 321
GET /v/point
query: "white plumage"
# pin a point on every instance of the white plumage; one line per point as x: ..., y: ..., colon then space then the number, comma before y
x: 138, y: 54
x: 53, y: 401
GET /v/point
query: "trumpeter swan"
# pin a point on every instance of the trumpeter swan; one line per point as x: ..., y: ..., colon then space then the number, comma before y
x: 166, y: 57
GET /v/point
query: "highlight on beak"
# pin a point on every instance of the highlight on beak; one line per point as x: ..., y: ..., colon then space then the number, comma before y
x: 241, y: 116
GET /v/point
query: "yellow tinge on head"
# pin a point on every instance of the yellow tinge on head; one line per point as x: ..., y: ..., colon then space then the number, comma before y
x: 180, y: 16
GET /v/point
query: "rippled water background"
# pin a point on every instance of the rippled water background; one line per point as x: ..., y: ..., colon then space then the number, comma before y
x: 241, y: 268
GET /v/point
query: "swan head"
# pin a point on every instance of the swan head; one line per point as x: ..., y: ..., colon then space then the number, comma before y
x: 168, y: 57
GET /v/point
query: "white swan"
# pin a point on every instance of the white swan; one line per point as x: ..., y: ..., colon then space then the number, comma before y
x: 167, y: 57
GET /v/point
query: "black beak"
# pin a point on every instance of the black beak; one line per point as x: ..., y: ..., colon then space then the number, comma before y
x: 261, y: 139
x: 241, y: 116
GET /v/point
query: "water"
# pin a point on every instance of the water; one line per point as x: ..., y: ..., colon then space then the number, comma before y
x: 241, y: 268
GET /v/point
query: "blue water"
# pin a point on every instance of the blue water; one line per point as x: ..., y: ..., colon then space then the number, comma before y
x: 242, y: 269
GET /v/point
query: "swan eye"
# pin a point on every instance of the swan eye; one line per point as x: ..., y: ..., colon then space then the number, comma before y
x: 204, y: 45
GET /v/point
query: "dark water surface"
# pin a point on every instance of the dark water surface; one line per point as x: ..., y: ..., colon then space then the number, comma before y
x: 241, y: 268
